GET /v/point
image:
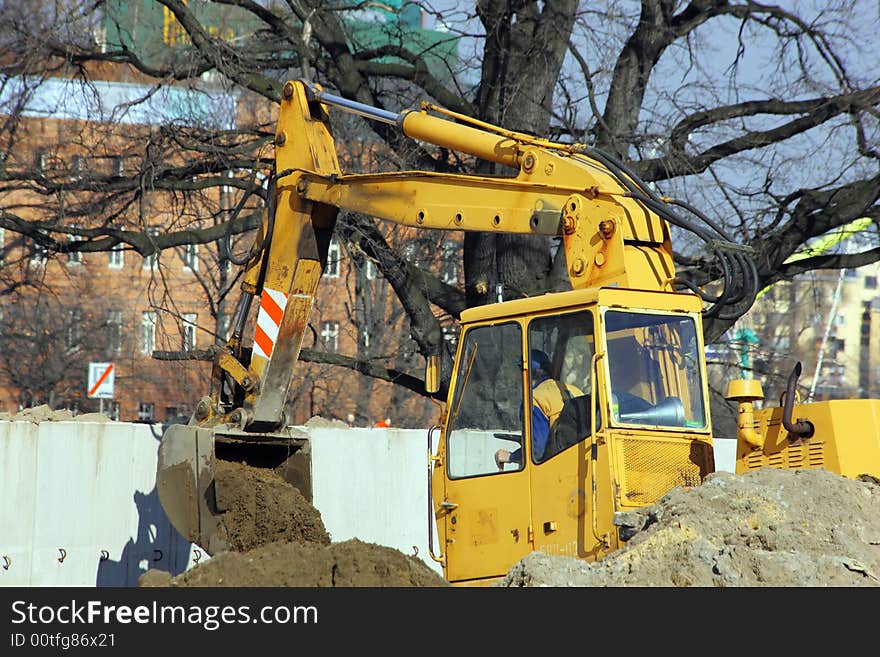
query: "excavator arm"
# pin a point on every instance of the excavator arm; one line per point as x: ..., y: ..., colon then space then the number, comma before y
x: 614, y: 232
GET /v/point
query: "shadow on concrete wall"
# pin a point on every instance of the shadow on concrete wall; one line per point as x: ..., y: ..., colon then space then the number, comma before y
x: 157, y: 544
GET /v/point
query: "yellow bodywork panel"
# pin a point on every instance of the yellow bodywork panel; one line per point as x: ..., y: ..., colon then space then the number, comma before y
x: 568, y: 518
x: 846, y: 439
x: 562, y: 301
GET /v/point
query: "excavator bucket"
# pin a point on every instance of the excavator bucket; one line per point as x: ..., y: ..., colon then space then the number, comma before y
x: 192, y: 494
x: 186, y: 486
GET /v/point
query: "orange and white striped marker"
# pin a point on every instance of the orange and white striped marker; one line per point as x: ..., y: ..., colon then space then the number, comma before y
x: 272, y: 304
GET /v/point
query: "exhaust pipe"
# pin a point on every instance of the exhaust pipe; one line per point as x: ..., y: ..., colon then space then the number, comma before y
x: 803, y: 428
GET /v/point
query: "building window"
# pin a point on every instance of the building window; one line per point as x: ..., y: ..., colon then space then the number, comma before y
x: 369, y: 269
x: 116, y: 256
x: 148, y: 332
x: 330, y: 336
x: 74, y: 320
x: 449, y: 262
x: 871, y: 282
x: 114, y: 332
x: 450, y: 335
x: 189, y: 331
x: 176, y: 414
x: 146, y: 411
x: 333, y: 256
x: 190, y: 257
x: 76, y: 167
x: 152, y: 261
x: 114, y: 411
x: 40, y: 161
x: 2, y: 245
x: 118, y: 166
x: 74, y: 257
x: 39, y: 255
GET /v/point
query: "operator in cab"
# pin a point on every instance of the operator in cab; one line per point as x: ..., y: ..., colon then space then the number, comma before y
x: 548, y: 398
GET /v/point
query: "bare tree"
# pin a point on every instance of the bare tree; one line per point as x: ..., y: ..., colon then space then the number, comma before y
x: 765, y: 116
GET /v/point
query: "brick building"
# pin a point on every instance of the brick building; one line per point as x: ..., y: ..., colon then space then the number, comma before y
x: 121, y: 306
x: 62, y: 309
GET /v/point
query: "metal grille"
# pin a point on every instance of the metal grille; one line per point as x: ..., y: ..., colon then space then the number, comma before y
x: 816, y: 454
x: 755, y: 461
x: 809, y: 455
x: 651, y: 468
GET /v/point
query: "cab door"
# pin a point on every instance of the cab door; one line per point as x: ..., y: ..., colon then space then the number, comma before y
x: 562, y: 475
x: 486, y: 509
x: 487, y: 525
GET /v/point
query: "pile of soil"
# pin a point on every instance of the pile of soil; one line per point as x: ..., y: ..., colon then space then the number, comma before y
x: 350, y: 563
x: 261, y: 507
x: 277, y: 538
x: 45, y: 413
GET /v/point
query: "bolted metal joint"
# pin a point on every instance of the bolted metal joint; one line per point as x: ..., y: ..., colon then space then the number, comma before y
x: 240, y: 418
x: 203, y: 408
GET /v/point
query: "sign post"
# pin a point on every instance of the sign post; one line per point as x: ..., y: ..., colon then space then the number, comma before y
x: 101, y: 379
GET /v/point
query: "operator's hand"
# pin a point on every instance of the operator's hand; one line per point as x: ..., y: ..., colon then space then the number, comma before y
x: 502, y: 456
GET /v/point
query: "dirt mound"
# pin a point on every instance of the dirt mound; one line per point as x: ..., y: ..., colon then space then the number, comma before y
x: 261, y: 507
x: 763, y: 528
x: 278, y: 539
x: 348, y: 564
x: 45, y: 413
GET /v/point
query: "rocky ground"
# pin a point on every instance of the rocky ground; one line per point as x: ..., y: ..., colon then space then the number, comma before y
x: 765, y: 528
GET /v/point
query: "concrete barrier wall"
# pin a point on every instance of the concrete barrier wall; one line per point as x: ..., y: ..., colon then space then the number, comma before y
x: 725, y: 454
x: 372, y: 484
x: 79, y: 507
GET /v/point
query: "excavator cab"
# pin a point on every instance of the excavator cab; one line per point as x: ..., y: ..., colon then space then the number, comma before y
x: 630, y: 363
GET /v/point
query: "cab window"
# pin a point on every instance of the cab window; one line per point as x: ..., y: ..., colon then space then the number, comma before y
x: 486, y: 410
x: 561, y: 349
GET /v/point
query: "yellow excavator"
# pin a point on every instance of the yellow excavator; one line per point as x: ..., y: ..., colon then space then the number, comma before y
x: 626, y: 337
